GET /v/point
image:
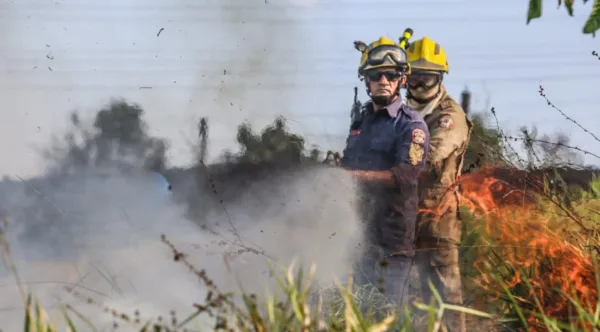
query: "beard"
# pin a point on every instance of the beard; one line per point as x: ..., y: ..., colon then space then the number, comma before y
x: 383, y: 100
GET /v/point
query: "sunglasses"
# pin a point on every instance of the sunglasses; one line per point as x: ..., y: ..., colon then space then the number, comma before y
x: 375, y: 76
x: 425, y: 80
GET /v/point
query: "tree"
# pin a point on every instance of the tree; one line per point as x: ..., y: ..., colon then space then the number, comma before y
x: 119, y: 134
x: 315, y: 153
x: 203, y: 136
x: 485, y: 146
x: 274, y: 144
x: 591, y: 25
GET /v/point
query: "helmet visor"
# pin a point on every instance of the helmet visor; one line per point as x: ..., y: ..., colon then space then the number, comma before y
x: 425, y: 80
x: 387, y: 55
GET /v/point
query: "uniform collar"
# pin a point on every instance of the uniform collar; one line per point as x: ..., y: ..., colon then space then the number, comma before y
x: 392, y: 109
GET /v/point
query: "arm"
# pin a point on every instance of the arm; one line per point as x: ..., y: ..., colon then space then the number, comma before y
x: 411, y: 156
x: 384, y: 177
x: 449, y: 134
x: 412, y: 151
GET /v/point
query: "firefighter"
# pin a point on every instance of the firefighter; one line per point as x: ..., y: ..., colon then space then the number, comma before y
x: 386, y: 149
x: 439, y: 226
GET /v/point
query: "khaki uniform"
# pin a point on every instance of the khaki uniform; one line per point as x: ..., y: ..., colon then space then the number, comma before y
x: 439, y: 228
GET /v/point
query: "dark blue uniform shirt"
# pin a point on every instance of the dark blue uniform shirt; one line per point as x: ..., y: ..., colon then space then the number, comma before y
x: 400, y: 144
x: 381, y: 141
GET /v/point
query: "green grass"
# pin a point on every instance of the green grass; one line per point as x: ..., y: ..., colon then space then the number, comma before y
x: 293, y: 313
x: 544, y: 279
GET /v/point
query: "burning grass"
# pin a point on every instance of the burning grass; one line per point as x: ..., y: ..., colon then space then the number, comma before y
x: 528, y: 260
x: 529, y: 252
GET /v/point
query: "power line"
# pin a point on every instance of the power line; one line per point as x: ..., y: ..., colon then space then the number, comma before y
x: 265, y: 69
x: 175, y: 62
x: 490, y: 61
x: 336, y: 20
x: 345, y: 113
x: 219, y: 5
x: 299, y: 54
x: 276, y: 87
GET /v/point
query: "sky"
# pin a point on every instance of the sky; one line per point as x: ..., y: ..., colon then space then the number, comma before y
x: 252, y: 60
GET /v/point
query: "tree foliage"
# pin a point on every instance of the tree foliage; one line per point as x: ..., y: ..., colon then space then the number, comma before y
x: 273, y: 144
x: 485, y: 146
x: 119, y: 133
x: 591, y: 25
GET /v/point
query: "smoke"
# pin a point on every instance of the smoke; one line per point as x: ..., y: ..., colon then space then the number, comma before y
x: 254, y: 68
x: 93, y: 221
x: 97, y: 229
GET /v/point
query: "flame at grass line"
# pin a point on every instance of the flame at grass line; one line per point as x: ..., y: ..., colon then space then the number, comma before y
x: 529, y: 245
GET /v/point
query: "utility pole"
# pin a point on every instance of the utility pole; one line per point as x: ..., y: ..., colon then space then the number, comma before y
x: 201, y: 171
x: 472, y: 159
x: 465, y: 100
x: 203, y: 133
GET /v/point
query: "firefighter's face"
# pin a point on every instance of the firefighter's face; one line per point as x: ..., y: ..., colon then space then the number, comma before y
x: 384, y: 82
x: 424, y: 84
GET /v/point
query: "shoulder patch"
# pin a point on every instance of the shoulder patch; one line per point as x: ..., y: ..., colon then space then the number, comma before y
x: 415, y: 153
x: 446, y: 121
x: 418, y: 136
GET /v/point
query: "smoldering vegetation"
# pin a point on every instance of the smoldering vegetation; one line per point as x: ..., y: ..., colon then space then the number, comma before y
x: 91, y: 226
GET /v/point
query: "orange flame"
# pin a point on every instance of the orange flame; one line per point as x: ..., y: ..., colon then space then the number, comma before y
x: 536, y: 257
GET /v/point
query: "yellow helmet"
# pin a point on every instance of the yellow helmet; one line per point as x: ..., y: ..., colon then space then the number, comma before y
x: 381, y: 53
x: 426, y: 54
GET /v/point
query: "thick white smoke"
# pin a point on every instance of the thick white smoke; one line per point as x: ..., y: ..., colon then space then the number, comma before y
x: 98, y: 231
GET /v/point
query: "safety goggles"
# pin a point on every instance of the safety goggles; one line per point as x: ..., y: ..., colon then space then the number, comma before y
x: 375, y: 75
x: 425, y: 80
x: 387, y: 55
